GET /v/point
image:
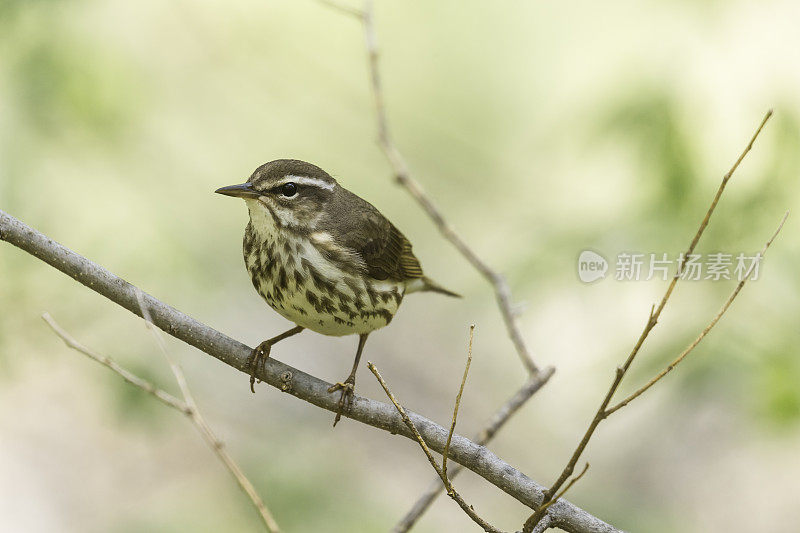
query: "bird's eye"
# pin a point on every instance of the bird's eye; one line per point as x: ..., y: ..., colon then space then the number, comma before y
x: 289, y: 189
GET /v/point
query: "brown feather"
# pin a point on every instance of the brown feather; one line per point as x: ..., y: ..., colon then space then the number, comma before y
x: 357, y: 225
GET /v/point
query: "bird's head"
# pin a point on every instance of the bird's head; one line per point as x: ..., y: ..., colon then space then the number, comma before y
x: 285, y: 193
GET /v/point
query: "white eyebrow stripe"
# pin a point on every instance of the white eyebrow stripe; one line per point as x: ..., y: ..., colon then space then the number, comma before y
x: 305, y: 180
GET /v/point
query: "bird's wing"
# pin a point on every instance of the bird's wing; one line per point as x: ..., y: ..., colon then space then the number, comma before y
x: 388, y: 255
x: 385, y: 251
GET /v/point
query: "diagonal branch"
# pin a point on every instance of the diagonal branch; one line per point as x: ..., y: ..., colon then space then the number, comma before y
x: 295, y: 382
x: 496, y: 280
x: 702, y: 334
x: 187, y: 407
x: 161, y: 395
x: 655, y: 312
x: 536, y: 518
x: 202, y: 426
x: 543, y: 525
x: 497, y: 421
x: 413, y: 187
x: 458, y: 402
x: 343, y: 9
x: 451, y: 491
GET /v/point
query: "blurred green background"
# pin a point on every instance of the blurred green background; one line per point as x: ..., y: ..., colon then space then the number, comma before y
x: 540, y: 128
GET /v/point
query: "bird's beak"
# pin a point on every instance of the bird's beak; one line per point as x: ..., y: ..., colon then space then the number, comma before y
x: 243, y: 190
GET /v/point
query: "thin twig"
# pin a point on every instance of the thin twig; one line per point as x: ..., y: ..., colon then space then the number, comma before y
x: 451, y: 491
x: 497, y: 421
x: 655, y: 312
x: 413, y: 187
x: 159, y: 394
x: 217, y: 445
x: 536, y: 518
x: 187, y: 407
x: 703, y: 333
x: 543, y: 525
x: 458, y: 401
x: 288, y: 379
x: 342, y: 8
x: 569, y: 486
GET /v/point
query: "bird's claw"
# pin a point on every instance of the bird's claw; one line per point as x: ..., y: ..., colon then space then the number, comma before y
x: 346, y: 398
x: 256, y: 361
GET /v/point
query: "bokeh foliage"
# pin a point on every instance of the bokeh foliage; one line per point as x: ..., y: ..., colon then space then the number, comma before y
x: 540, y: 129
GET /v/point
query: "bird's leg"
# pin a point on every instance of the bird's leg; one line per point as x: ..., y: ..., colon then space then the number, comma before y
x: 349, y: 385
x: 261, y: 353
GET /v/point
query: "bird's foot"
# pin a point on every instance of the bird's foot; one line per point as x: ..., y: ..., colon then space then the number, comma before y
x: 256, y: 361
x: 346, y: 398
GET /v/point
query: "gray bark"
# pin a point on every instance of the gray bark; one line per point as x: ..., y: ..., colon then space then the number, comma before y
x: 295, y: 382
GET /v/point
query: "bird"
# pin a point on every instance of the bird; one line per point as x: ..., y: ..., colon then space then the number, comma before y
x: 323, y: 258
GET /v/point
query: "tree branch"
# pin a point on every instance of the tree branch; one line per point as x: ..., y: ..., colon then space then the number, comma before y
x: 451, y: 491
x: 543, y: 525
x: 655, y: 312
x: 295, y: 382
x: 497, y: 281
x: 702, y: 334
x: 161, y: 395
x: 202, y: 426
x: 343, y: 9
x: 497, y: 421
x: 187, y: 407
x: 458, y: 402
x: 404, y: 178
x: 535, y: 521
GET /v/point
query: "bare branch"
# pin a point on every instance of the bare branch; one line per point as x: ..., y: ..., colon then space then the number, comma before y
x: 186, y: 407
x: 458, y: 401
x: 535, y: 521
x: 413, y: 187
x: 569, y: 486
x: 343, y: 9
x: 290, y: 380
x: 655, y: 312
x: 543, y: 525
x: 703, y: 333
x: 199, y: 421
x: 704, y: 223
x: 451, y: 491
x: 497, y: 421
x: 161, y: 395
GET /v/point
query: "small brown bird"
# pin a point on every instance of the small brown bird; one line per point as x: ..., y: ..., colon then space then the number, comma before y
x: 323, y: 258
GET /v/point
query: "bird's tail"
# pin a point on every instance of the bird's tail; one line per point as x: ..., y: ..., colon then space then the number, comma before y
x: 426, y: 284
